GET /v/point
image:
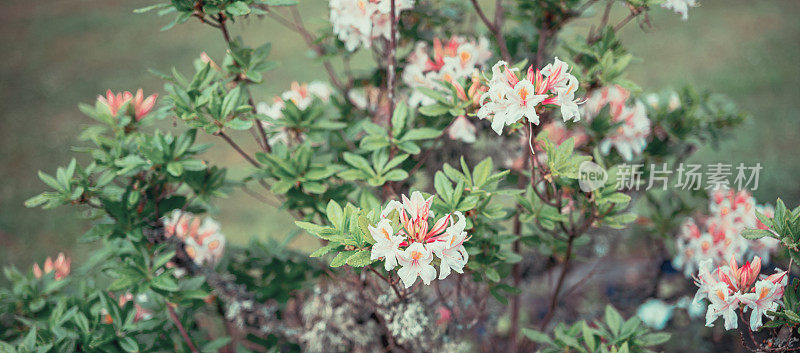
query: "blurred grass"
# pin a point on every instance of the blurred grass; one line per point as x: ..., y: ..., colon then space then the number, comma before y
x: 60, y: 53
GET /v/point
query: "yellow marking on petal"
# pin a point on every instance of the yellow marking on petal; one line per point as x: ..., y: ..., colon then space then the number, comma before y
x: 416, y: 255
x: 523, y: 93
x: 571, y: 89
x: 465, y: 57
x: 385, y: 233
x: 764, y: 292
x: 191, y: 252
x: 213, y: 245
x: 720, y: 295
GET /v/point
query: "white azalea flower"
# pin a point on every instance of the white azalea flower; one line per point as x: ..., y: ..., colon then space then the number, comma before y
x: 450, y: 248
x: 523, y: 103
x: 765, y: 298
x: 391, y: 206
x: 558, y: 74
x: 416, y: 262
x: 360, y: 22
x: 723, y: 302
x: 202, y: 239
x: 566, y: 98
x: 680, y: 7
x: 630, y: 137
x: 456, y: 58
x: 417, y: 206
x: 387, y: 245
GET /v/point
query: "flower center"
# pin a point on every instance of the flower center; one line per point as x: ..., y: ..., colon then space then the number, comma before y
x: 523, y: 94
x: 416, y: 255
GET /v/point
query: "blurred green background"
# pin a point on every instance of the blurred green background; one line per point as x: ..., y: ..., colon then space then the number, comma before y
x: 59, y: 53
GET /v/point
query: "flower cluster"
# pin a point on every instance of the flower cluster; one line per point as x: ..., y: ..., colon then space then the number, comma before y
x: 717, y: 236
x: 680, y: 7
x: 360, y: 22
x: 511, y: 97
x: 301, y: 95
x: 141, y: 105
x: 631, y: 124
x: 671, y: 101
x: 140, y: 312
x: 202, y: 239
x: 728, y: 288
x: 458, y: 58
x: 60, y: 266
x: 414, y: 244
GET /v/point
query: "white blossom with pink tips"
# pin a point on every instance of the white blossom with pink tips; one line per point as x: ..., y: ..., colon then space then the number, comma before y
x: 456, y: 58
x: 416, y: 261
x: 360, y: 22
x: 717, y: 236
x: 387, y: 246
x: 417, y: 243
x: 730, y: 288
x: 512, y: 97
x: 302, y: 95
x: 631, y: 124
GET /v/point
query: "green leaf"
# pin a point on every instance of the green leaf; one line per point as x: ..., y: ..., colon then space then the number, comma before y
x: 325, y: 249
x: 588, y: 336
x: 399, y: 118
x: 567, y: 339
x: 238, y: 8
x: 215, y: 345
x: 231, y: 101
x: 50, y: 181
x: 162, y: 259
x: 492, y: 274
x: 175, y: 168
x: 482, y: 171
x: 358, y: 162
x: 753, y: 234
x: 434, y: 110
x: 341, y: 258
x: 239, y: 124
x: 359, y: 259
x: 613, y: 319
x: 165, y: 282
x: 617, y: 198
x: 396, y: 175
x: 129, y: 344
x: 421, y: 134
x: 37, y: 200
x: 654, y: 339
x: 537, y: 336
x: 335, y: 214
x: 124, y: 282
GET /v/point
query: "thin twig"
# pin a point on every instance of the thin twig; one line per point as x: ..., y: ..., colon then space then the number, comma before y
x: 239, y: 149
x: 560, y: 283
x: 182, y: 330
x: 496, y: 27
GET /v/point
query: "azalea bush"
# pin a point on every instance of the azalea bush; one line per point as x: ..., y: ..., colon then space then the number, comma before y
x: 447, y: 169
